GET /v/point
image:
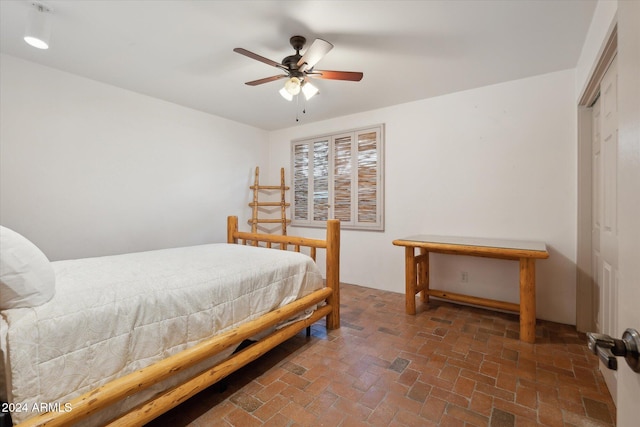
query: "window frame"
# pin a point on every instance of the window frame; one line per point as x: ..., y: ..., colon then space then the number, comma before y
x: 330, y: 139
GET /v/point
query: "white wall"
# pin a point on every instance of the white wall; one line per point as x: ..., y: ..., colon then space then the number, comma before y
x: 90, y: 169
x: 499, y: 161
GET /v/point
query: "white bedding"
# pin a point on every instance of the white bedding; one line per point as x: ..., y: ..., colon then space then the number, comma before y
x: 113, y: 315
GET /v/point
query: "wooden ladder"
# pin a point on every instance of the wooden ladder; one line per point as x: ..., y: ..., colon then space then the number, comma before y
x: 256, y: 204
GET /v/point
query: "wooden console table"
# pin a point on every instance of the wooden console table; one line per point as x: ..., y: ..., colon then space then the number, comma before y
x: 526, y: 252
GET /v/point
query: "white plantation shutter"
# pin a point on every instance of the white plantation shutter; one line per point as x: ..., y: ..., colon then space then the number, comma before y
x: 321, y: 180
x: 300, y: 185
x: 368, y: 177
x: 339, y: 176
x: 342, y: 178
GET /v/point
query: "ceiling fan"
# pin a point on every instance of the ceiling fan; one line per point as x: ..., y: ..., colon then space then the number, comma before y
x: 299, y: 69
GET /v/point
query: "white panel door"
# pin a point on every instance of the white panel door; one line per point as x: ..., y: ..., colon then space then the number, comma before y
x: 609, y: 197
x: 605, y: 203
x: 596, y: 214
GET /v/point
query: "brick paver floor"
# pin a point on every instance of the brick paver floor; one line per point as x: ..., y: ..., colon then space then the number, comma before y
x: 449, y: 365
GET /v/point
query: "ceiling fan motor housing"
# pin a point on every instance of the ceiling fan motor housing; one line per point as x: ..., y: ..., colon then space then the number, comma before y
x: 291, y: 61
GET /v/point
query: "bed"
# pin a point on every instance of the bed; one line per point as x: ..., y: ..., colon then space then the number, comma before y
x: 142, y: 332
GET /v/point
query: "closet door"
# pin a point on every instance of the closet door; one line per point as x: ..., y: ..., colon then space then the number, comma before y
x: 605, y: 212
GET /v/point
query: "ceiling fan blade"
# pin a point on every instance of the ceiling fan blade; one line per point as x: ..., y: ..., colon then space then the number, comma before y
x: 257, y: 57
x: 266, y: 80
x: 318, y: 49
x: 352, y: 76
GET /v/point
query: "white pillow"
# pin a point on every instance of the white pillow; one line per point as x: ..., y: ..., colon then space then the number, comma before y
x: 26, y: 276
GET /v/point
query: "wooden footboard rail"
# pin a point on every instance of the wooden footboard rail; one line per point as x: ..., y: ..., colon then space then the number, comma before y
x: 128, y: 385
x: 331, y: 244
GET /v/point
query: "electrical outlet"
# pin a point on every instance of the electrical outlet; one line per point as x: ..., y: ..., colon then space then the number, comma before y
x: 464, y: 277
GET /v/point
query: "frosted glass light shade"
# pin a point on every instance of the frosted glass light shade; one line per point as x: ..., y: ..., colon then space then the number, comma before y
x: 292, y: 86
x: 309, y: 90
x: 286, y: 95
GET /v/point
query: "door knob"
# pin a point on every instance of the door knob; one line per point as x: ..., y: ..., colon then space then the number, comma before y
x: 608, y: 348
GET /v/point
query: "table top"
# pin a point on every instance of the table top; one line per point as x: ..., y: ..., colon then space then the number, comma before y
x: 499, y: 248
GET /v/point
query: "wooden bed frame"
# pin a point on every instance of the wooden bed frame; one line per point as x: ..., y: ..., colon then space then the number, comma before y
x: 118, y: 389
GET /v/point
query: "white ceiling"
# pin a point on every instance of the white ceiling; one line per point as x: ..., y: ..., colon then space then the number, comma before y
x: 182, y: 51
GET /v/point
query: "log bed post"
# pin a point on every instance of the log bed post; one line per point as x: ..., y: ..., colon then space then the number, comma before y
x: 333, y: 272
x: 232, y: 228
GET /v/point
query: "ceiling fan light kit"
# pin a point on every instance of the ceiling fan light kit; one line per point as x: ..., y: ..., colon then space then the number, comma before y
x: 293, y: 86
x: 299, y: 68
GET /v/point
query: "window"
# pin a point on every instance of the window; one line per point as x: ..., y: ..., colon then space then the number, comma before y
x: 339, y: 176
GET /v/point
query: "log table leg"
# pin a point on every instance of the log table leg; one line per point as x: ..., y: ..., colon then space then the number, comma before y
x: 528, y: 300
x: 410, y: 279
x: 423, y: 271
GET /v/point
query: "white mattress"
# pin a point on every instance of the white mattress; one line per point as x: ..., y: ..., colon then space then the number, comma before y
x: 114, y: 315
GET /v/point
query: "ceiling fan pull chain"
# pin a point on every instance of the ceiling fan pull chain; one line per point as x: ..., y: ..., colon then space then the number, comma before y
x: 304, y: 107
